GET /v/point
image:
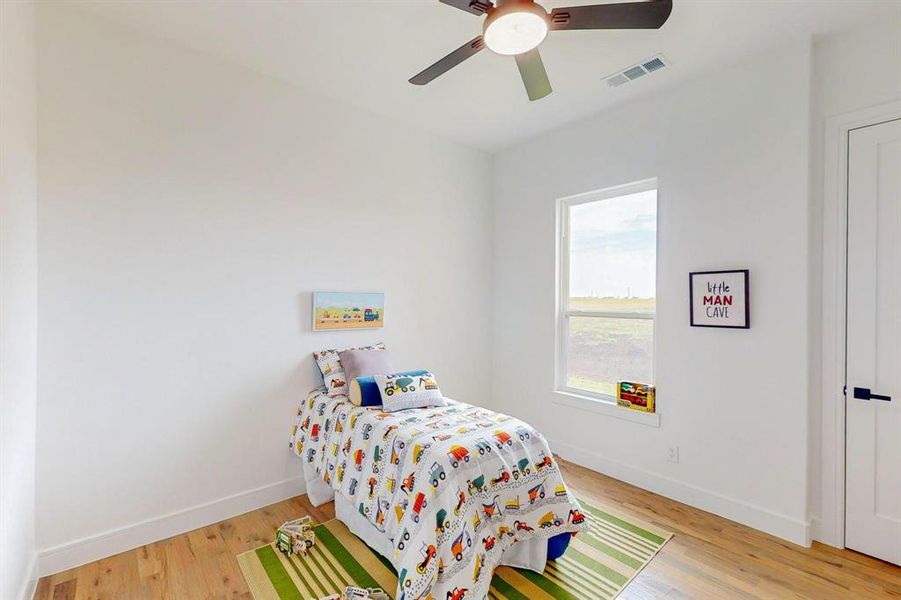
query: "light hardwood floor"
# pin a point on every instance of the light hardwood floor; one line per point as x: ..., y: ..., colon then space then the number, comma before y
x: 709, y: 557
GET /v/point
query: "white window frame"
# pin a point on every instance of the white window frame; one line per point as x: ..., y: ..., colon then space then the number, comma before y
x: 564, y: 313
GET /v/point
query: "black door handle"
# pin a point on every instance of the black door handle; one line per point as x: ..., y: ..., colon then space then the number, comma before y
x: 865, y: 394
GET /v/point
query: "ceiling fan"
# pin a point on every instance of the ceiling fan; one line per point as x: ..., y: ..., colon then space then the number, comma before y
x: 517, y: 27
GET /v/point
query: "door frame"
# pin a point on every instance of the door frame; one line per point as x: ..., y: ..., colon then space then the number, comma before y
x: 829, y: 528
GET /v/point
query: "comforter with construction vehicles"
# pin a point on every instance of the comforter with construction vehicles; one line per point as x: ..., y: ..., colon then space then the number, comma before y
x: 453, y: 487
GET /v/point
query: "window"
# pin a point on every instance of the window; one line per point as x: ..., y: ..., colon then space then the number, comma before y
x: 608, y: 267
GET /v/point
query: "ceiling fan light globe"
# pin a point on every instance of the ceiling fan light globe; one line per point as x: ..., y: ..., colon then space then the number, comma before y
x: 516, y: 31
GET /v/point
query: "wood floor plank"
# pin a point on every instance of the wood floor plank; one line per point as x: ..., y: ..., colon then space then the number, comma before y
x: 709, y: 557
x: 65, y: 590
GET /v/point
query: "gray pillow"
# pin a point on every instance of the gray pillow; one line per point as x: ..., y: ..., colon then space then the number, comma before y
x: 364, y: 363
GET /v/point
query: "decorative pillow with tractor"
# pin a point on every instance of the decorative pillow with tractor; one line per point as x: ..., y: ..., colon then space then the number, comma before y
x: 400, y: 391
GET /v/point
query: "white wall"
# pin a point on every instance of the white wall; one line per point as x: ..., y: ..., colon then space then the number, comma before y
x: 730, y: 151
x: 18, y: 292
x: 852, y: 70
x: 187, y: 209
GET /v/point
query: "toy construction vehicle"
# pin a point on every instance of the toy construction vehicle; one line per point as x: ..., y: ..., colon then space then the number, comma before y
x: 295, y: 537
x: 357, y: 593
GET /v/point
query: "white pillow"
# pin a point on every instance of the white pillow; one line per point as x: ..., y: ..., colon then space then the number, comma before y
x: 400, y: 392
x: 333, y: 375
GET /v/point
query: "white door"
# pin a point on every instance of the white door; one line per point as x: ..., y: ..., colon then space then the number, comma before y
x: 873, y: 469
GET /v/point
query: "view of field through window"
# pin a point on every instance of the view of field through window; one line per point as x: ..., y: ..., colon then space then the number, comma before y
x: 612, y: 270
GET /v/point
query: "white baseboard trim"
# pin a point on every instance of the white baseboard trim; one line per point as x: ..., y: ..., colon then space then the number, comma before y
x: 107, y: 543
x: 823, y: 534
x: 31, y: 582
x: 783, y: 526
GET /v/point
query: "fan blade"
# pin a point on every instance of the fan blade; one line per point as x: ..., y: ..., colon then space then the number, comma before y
x: 475, y: 7
x: 626, y: 15
x: 448, y: 62
x: 533, y: 74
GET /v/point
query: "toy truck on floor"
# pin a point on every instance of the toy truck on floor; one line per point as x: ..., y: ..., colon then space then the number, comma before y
x: 295, y: 537
x: 353, y: 592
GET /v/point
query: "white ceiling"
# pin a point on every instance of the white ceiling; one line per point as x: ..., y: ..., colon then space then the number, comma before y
x: 363, y: 51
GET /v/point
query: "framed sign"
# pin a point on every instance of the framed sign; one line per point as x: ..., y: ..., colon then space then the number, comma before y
x: 720, y: 299
x: 348, y: 310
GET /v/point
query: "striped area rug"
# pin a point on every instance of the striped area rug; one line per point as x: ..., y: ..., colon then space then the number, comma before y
x: 597, y: 565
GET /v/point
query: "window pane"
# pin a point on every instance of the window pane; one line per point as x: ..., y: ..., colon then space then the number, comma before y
x: 601, y: 351
x: 613, y: 254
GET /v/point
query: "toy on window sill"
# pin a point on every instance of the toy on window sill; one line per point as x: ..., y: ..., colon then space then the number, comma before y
x: 295, y: 537
x: 636, y: 396
x: 356, y: 593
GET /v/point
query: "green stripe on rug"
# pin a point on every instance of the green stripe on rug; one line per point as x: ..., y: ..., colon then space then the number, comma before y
x: 507, y: 590
x: 611, y: 551
x: 589, y: 563
x: 573, y: 578
x: 547, y: 585
x: 333, y: 564
x: 569, y: 568
x: 624, y: 524
x: 297, y: 571
x: 331, y: 584
x: 360, y: 576
x: 278, y: 576
x: 598, y: 564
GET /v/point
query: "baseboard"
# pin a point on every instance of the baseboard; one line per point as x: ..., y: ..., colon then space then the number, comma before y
x: 104, y: 544
x: 783, y: 526
x: 824, y: 534
x: 31, y: 583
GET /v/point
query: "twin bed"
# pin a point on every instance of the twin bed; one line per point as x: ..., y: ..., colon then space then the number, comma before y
x: 445, y: 494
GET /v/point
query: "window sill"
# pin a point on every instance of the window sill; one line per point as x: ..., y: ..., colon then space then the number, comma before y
x: 605, y: 407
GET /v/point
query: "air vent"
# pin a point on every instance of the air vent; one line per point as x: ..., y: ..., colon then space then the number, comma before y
x: 655, y: 63
x: 634, y: 73
x: 617, y: 80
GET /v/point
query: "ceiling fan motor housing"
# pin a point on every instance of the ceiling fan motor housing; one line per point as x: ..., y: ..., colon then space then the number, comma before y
x: 515, y: 26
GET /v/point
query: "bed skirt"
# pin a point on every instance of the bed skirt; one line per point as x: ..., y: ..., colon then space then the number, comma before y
x: 530, y: 554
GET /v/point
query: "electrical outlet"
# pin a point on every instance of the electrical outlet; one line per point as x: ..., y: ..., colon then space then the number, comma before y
x: 673, y: 454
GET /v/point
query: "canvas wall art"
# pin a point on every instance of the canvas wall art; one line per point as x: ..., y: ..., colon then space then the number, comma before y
x: 348, y: 310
